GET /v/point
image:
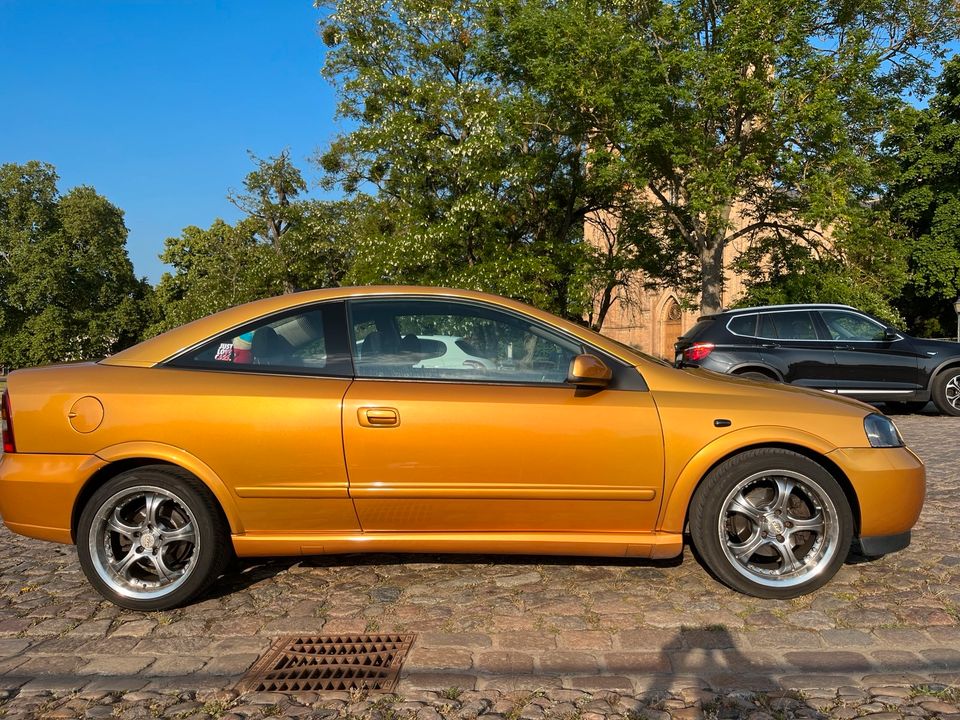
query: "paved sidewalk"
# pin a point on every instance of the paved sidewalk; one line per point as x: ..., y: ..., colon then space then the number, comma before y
x: 511, y: 638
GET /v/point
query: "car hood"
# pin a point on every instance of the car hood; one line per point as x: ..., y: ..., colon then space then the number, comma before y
x: 778, y: 392
x: 940, y: 349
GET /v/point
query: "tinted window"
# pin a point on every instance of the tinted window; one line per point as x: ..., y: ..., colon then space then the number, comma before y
x: 398, y: 339
x: 850, y: 326
x: 307, y: 342
x: 743, y: 325
x: 697, y: 330
x: 788, y: 326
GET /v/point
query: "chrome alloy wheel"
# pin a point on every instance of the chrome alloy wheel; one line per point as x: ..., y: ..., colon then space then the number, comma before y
x: 779, y: 528
x: 144, y: 542
x: 951, y: 391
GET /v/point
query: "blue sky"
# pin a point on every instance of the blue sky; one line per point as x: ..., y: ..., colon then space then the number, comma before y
x: 155, y: 103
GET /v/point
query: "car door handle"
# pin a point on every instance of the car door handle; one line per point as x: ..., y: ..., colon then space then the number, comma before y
x: 378, y: 417
x: 843, y: 347
x: 769, y: 345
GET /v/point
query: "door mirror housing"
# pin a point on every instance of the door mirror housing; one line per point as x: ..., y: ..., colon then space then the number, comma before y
x: 589, y: 371
x: 891, y: 334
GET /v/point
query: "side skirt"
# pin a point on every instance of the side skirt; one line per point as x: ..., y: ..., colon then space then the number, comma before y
x: 639, y: 545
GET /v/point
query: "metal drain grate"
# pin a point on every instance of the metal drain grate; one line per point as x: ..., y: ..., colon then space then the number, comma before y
x: 329, y: 662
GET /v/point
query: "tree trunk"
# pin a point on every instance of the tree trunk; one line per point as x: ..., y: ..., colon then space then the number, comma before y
x: 711, y: 274
x: 606, y: 301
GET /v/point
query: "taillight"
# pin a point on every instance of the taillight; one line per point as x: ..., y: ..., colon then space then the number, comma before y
x: 697, y: 351
x: 6, y: 423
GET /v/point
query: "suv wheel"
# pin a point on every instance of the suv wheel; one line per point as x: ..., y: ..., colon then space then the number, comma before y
x: 946, y: 391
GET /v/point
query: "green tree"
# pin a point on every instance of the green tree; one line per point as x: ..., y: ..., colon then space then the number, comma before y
x: 283, y: 244
x: 67, y: 288
x: 468, y: 181
x: 926, y: 200
x: 741, y: 120
x: 269, y: 199
x: 214, y: 269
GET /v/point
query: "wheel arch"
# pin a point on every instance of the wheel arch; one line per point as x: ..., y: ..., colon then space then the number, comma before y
x: 746, y: 367
x: 128, y: 456
x: 677, y: 505
x: 952, y: 364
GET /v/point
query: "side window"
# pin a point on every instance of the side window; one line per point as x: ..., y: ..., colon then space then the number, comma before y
x: 306, y: 342
x: 442, y: 340
x: 849, y: 326
x: 794, y: 325
x: 743, y: 325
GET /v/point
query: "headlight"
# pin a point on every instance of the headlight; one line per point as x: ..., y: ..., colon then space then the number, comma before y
x: 881, y: 432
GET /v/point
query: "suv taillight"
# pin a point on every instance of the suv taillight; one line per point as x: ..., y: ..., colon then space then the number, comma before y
x: 697, y: 351
x: 6, y: 423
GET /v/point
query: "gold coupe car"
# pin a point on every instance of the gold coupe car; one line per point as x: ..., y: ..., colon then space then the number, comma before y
x: 330, y: 422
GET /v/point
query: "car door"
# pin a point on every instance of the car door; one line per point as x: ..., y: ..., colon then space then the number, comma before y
x: 268, y: 396
x: 869, y: 364
x: 790, y: 342
x: 499, y: 441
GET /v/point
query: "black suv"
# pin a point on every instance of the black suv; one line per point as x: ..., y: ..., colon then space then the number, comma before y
x: 835, y: 348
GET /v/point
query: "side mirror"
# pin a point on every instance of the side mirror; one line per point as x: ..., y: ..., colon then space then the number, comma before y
x: 589, y: 371
x: 891, y: 334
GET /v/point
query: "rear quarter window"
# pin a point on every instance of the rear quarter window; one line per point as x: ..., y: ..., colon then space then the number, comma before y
x: 699, y: 329
x: 745, y: 325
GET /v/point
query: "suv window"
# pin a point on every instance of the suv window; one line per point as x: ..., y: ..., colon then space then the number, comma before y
x: 304, y: 342
x: 850, y: 326
x: 743, y: 325
x: 792, y: 325
x: 398, y: 338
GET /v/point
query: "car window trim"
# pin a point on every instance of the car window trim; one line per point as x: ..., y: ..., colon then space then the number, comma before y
x: 620, y: 368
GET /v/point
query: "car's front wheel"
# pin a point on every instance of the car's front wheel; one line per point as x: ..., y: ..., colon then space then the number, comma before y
x: 152, y: 538
x: 771, y: 523
x: 946, y: 391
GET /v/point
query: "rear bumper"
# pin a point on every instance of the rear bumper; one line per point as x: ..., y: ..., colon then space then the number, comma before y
x: 38, y: 492
x: 890, y: 484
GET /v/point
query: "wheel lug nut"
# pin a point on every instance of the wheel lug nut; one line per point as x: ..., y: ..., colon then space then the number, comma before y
x: 789, y: 524
x: 763, y: 533
x: 779, y: 538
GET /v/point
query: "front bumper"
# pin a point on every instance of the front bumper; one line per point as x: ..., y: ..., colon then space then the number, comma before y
x: 890, y: 485
x: 38, y: 492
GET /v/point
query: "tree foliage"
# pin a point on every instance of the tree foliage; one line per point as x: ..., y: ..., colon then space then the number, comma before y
x: 470, y: 182
x: 283, y: 244
x: 741, y: 120
x: 67, y: 288
x: 926, y: 200
x: 492, y: 132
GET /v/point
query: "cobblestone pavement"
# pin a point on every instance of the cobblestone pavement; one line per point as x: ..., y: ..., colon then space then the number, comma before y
x: 508, y: 638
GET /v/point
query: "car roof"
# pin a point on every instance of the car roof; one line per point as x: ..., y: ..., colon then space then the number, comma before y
x: 162, y: 347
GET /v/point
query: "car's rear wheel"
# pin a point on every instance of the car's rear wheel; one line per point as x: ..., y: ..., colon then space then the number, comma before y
x: 152, y: 538
x: 771, y: 523
x: 946, y: 391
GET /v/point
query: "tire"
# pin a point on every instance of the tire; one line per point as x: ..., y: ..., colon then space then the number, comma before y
x: 750, y: 502
x: 946, y: 391
x: 753, y: 375
x: 125, y: 545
